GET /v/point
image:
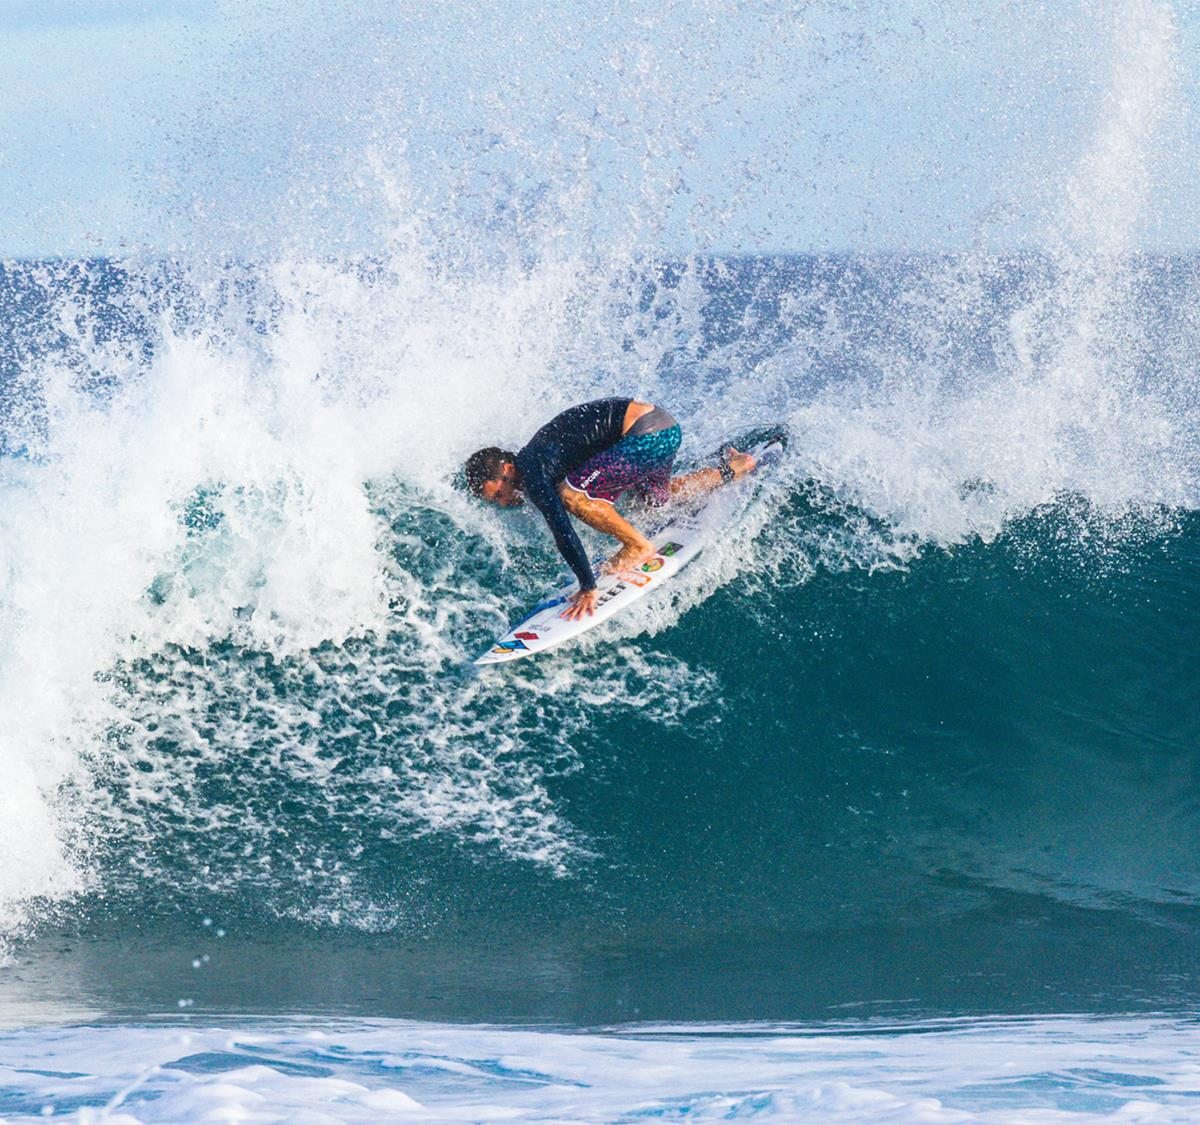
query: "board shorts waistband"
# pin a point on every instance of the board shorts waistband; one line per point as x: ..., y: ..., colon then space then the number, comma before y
x: 651, y: 422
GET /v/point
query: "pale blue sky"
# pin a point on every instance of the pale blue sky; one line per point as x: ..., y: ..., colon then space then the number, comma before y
x: 237, y: 124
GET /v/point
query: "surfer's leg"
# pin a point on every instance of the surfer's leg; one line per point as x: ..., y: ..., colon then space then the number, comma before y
x: 604, y: 517
x: 697, y: 483
x: 703, y: 481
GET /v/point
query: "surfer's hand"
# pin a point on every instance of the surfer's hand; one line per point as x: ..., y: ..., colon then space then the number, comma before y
x: 579, y: 603
x: 740, y: 463
x: 629, y: 557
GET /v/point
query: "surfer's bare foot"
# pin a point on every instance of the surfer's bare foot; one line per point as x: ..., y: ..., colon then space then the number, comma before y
x: 580, y: 603
x: 740, y: 463
x: 628, y: 557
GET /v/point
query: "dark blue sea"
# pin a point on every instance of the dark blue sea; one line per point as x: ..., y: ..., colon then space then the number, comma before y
x: 888, y: 807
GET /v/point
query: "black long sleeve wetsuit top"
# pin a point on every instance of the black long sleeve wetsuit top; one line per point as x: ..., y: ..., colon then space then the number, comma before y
x: 563, y: 444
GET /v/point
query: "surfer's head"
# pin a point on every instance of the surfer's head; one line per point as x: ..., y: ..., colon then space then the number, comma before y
x: 492, y: 475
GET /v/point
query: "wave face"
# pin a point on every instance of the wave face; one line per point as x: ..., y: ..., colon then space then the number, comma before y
x: 919, y: 735
x: 931, y: 701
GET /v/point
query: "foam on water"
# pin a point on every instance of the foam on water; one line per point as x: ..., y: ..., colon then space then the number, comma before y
x: 1057, y: 1069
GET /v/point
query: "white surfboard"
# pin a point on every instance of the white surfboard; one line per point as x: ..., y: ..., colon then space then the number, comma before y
x: 676, y: 543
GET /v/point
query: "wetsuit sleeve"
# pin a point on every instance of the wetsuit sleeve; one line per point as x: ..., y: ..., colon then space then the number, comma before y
x: 541, y: 491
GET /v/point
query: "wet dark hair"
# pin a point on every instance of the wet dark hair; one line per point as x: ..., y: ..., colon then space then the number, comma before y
x: 484, y: 465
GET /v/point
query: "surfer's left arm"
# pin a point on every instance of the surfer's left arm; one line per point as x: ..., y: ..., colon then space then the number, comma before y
x: 703, y: 481
x: 548, y: 500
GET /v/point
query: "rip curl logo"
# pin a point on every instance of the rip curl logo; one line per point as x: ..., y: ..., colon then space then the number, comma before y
x: 652, y: 565
x: 587, y: 481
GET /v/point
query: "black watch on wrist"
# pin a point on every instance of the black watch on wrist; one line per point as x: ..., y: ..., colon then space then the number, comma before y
x: 727, y: 474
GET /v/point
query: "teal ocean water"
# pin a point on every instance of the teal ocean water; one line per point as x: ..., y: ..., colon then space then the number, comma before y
x: 916, y: 742
x: 886, y: 808
x: 962, y: 786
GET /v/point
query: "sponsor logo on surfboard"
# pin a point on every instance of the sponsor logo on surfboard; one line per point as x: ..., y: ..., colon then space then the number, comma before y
x: 668, y: 549
x: 611, y: 593
x: 652, y: 564
x: 509, y: 646
x: 526, y: 636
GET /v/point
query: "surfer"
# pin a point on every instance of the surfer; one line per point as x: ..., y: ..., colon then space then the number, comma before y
x: 580, y: 462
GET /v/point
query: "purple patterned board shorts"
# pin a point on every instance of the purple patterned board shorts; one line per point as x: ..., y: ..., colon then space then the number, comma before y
x: 640, y: 460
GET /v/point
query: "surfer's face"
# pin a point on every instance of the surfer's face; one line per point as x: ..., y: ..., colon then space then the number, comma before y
x: 502, y: 490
